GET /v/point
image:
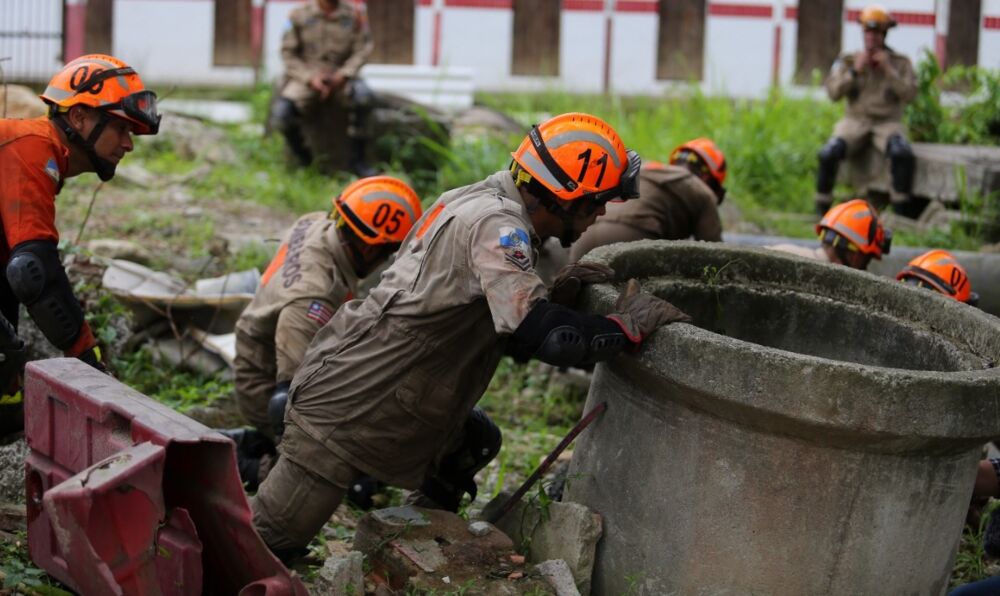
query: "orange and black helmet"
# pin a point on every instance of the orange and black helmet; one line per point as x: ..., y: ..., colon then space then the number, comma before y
x: 107, y: 84
x: 939, y: 270
x: 704, y: 158
x: 379, y: 209
x: 578, y: 157
x: 875, y: 16
x: 855, y: 226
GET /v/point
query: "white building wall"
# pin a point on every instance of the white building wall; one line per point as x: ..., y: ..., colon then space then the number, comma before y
x: 739, y: 51
x: 989, y: 35
x: 581, y: 58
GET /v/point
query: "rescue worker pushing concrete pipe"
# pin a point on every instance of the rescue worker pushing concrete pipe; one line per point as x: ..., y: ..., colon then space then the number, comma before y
x: 878, y: 83
x: 315, y: 271
x: 677, y: 201
x: 850, y: 234
x: 96, y: 103
x: 389, y: 382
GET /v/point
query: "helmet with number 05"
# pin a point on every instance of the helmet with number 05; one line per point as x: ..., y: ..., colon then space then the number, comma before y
x: 379, y: 209
x: 577, y: 156
x: 107, y: 84
x: 939, y: 270
x: 855, y: 226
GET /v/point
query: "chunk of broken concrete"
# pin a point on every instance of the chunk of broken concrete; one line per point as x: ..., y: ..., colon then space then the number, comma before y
x: 341, y: 575
x: 559, y: 576
x: 415, y: 549
x: 115, y: 248
x: 557, y: 530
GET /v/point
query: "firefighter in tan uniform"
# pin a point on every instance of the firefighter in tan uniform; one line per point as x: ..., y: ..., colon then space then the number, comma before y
x: 324, y: 45
x: 387, y: 384
x: 315, y: 271
x: 878, y: 83
x: 676, y: 201
x: 850, y: 234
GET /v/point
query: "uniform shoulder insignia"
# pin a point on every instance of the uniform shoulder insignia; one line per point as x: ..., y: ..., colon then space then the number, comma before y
x: 52, y: 169
x: 319, y: 312
x: 515, y: 243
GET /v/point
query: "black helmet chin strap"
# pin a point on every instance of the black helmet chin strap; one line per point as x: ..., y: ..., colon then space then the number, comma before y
x: 105, y: 169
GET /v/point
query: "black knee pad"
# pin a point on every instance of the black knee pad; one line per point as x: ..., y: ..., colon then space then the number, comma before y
x: 456, y: 473
x: 902, y: 163
x: 284, y: 115
x: 829, y: 160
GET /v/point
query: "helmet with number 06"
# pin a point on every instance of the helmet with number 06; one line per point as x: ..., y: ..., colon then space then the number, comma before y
x: 578, y: 156
x: 379, y: 209
x: 939, y: 270
x: 107, y: 84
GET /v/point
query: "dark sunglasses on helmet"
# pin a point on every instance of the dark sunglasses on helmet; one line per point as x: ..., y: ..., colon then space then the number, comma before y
x: 141, y: 108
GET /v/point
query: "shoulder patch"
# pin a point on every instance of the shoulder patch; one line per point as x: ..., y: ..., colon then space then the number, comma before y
x: 515, y: 244
x: 52, y: 169
x: 319, y: 312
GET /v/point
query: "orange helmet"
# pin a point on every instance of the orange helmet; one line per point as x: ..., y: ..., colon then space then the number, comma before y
x: 875, y: 16
x: 854, y: 225
x: 379, y: 209
x: 108, y: 84
x: 938, y: 270
x: 578, y: 156
x: 705, y: 159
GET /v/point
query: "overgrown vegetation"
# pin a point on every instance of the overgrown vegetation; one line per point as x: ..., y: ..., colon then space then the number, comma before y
x: 971, y: 117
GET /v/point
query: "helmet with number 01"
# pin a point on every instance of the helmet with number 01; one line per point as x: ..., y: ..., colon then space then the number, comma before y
x: 855, y: 226
x: 379, y: 209
x: 577, y: 156
x: 940, y: 271
x: 107, y: 84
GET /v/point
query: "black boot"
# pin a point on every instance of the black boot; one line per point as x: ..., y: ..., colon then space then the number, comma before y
x: 358, y: 163
x: 251, y: 445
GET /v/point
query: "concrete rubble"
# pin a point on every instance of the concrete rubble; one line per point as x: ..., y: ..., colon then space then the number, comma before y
x: 341, y: 575
x: 554, y: 530
x: 415, y: 550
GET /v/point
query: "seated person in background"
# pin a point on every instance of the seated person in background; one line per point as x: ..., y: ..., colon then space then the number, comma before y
x: 850, y: 234
x: 676, y: 201
x: 316, y: 270
x: 878, y: 83
x: 938, y: 270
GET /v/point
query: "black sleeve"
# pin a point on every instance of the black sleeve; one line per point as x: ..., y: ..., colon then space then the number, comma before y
x: 564, y: 337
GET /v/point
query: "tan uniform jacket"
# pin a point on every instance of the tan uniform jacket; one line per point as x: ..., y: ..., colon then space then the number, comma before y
x: 801, y: 251
x: 314, y: 42
x: 392, y: 377
x: 673, y: 204
x: 874, y: 94
x: 308, y: 280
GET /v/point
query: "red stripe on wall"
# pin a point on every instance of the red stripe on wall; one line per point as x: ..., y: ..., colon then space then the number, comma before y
x: 739, y: 10
x: 597, y: 5
x: 792, y: 13
x: 991, y: 23
x: 903, y: 18
x: 419, y: 2
x: 636, y: 6
x: 503, y: 4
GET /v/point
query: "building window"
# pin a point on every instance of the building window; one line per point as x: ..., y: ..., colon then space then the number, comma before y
x: 97, y: 37
x: 536, y: 37
x: 232, y: 44
x: 962, y: 47
x: 680, y: 45
x: 820, y: 32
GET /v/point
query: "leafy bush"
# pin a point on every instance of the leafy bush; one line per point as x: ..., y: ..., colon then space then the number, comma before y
x: 974, y: 118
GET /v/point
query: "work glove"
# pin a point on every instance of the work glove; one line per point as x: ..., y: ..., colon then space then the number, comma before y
x: 570, y: 280
x: 640, y: 313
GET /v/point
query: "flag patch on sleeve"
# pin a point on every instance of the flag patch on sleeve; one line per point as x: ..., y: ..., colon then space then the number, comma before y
x: 319, y: 312
x: 515, y: 244
x: 52, y: 169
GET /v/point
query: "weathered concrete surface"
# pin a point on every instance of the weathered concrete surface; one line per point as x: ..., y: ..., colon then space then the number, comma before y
x: 939, y: 169
x: 557, y: 530
x: 983, y: 268
x: 557, y: 573
x: 340, y: 576
x: 826, y: 443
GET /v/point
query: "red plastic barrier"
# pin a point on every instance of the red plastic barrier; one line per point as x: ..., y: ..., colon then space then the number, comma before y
x: 126, y: 496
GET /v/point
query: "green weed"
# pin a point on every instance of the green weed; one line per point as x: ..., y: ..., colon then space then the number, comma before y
x: 179, y: 390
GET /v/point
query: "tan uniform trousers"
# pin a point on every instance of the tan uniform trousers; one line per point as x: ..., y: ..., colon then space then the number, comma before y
x: 859, y: 132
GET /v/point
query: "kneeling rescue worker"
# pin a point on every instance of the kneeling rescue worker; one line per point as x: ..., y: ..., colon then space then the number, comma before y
x: 388, y: 385
x: 940, y: 271
x: 676, y: 201
x: 96, y: 103
x: 316, y: 270
x: 850, y: 234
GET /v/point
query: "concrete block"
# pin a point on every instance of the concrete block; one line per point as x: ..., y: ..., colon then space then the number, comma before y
x: 341, y: 575
x: 559, y: 576
x: 557, y: 530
